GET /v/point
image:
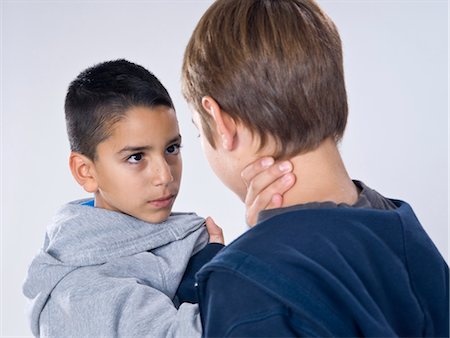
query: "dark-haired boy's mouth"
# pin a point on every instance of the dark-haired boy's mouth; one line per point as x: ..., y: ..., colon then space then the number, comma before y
x: 162, y: 202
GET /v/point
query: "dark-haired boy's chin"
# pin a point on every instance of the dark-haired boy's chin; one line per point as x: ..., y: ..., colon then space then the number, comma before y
x: 158, y: 217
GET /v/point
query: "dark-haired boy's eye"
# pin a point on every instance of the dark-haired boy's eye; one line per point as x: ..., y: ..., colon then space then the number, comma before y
x: 135, y: 158
x: 173, y: 149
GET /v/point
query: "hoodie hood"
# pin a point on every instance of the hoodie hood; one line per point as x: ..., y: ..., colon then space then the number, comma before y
x: 82, y: 235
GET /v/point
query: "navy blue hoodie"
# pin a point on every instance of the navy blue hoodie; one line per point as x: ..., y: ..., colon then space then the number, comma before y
x: 328, y: 272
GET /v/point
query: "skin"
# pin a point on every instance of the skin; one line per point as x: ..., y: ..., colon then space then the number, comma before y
x: 320, y: 174
x: 137, y: 170
x: 239, y: 162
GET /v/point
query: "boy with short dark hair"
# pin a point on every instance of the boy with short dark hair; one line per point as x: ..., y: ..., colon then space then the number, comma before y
x: 122, y: 263
x: 265, y: 78
x: 111, y: 266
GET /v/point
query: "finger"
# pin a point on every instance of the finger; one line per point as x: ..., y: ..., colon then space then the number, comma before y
x: 265, y: 178
x: 275, y: 202
x: 214, y: 231
x: 255, y: 168
x: 269, y: 198
x: 266, y: 200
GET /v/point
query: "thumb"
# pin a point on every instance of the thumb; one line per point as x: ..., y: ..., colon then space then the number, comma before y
x: 214, y: 231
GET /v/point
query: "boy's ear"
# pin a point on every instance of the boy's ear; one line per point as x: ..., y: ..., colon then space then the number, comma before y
x: 82, y: 169
x: 225, y: 125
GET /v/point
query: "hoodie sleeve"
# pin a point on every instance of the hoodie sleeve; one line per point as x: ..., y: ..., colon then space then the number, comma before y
x: 124, y: 308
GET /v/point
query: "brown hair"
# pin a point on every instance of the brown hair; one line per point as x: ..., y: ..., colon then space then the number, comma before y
x: 273, y: 65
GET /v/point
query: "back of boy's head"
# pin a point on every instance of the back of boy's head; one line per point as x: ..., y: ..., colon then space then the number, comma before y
x: 100, y: 97
x: 275, y: 66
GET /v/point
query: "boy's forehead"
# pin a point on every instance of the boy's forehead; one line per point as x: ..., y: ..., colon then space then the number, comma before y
x: 144, y: 127
x: 156, y: 118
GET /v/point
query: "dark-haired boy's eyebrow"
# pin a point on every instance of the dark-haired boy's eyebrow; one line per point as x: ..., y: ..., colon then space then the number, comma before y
x: 132, y: 149
x: 137, y: 149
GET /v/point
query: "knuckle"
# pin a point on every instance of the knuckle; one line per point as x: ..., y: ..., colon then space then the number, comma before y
x: 275, y: 171
x: 254, y: 186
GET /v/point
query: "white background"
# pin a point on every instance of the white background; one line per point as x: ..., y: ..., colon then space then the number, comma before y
x: 396, y: 61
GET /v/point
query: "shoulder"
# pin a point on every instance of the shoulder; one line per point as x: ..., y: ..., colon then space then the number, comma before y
x: 319, y: 229
x: 334, y: 241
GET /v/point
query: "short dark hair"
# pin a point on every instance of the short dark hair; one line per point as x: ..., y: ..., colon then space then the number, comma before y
x: 100, y: 97
x: 274, y: 65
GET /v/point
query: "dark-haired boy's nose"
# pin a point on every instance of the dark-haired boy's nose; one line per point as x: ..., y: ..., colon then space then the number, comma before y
x: 161, y: 173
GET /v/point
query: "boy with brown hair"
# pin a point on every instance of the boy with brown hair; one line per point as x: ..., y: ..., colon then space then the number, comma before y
x: 265, y: 78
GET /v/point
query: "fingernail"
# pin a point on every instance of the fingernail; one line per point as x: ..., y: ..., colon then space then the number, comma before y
x: 286, y: 179
x: 285, y: 166
x: 267, y: 162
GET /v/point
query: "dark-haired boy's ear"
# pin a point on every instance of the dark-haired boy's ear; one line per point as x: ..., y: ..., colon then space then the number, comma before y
x: 82, y: 169
x: 225, y: 125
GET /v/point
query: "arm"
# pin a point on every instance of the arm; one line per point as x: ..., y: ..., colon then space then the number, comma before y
x: 187, y: 291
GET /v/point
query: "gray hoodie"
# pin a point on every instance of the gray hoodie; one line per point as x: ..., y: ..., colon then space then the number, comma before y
x: 106, y: 274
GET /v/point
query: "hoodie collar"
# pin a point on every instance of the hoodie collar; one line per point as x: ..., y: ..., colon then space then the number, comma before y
x: 82, y: 235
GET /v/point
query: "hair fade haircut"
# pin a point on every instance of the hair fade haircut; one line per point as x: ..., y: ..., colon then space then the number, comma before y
x: 100, y: 97
x: 275, y: 66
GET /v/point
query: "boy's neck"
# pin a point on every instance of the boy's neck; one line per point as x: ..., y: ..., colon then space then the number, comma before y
x: 321, y: 176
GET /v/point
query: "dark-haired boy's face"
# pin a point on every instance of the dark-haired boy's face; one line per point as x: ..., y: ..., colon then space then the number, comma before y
x: 138, y: 168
